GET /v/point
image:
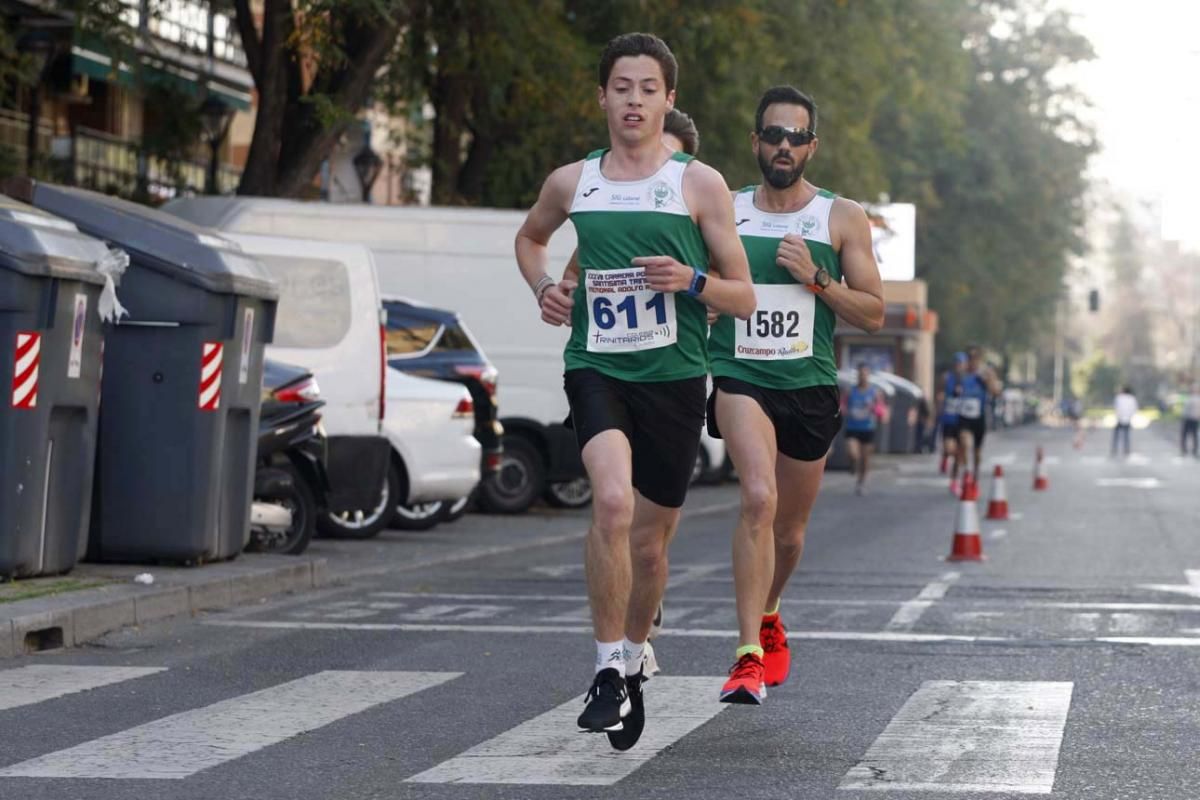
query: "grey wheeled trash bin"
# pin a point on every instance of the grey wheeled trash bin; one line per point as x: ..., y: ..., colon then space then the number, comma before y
x: 182, y: 384
x: 50, y: 345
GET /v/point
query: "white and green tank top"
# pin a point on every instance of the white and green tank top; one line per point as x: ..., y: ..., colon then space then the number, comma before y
x: 788, y: 342
x: 619, y: 325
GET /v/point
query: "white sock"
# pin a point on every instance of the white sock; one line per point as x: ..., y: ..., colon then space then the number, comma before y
x: 633, y: 657
x: 611, y: 655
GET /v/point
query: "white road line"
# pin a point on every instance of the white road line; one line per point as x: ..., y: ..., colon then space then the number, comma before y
x: 1125, y: 623
x: 1193, y: 577
x: 810, y: 601
x: 1129, y: 482
x: 1016, y: 515
x: 970, y: 736
x: 909, y: 613
x: 697, y: 633
x: 547, y: 750
x: 999, y: 533
x: 183, y: 744
x: 35, y: 684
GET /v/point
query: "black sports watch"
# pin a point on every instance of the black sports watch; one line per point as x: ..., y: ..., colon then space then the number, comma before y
x: 699, y: 281
x: 822, y: 279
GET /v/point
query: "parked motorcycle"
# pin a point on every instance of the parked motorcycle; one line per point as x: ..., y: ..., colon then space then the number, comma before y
x: 290, y: 483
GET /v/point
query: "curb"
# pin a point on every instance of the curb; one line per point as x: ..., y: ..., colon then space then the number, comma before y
x: 31, y: 626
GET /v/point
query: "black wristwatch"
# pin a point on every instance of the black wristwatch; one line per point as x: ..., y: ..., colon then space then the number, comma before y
x: 699, y: 281
x: 822, y: 278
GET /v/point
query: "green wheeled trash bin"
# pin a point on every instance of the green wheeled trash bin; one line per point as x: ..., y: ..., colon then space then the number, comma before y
x: 51, y: 340
x: 182, y: 384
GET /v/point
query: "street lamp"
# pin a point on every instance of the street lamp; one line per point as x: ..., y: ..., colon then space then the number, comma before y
x: 38, y: 47
x: 367, y: 164
x: 215, y: 115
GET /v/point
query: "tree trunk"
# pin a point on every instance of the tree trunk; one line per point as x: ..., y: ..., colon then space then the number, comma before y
x: 258, y: 177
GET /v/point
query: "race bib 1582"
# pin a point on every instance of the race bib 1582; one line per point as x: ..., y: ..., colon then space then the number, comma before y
x: 625, y: 314
x: 781, y: 328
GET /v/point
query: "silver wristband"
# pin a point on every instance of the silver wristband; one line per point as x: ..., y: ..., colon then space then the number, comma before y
x: 542, y: 286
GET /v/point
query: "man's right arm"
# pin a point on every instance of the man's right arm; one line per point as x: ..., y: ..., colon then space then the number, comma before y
x: 547, y: 215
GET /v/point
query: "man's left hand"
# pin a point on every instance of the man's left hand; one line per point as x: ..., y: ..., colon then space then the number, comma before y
x: 665, y: 274
x: 793, y: 255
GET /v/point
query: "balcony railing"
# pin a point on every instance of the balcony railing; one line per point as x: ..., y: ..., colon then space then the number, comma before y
x: 108, y: 164
x: 185, y: 23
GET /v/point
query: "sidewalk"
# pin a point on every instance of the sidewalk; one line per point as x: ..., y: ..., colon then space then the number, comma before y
x: 78, y: 615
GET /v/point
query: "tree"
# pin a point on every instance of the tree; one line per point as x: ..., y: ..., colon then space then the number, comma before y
x: 314, y: 64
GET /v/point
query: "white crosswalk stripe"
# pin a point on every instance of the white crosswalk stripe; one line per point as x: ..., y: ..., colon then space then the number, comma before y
x: 970, y: 736
x: 37, y: 683
x: 183, y: 744
x: 548, y: 750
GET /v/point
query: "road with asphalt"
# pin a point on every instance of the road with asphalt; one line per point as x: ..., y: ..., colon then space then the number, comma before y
x: 451, y: 664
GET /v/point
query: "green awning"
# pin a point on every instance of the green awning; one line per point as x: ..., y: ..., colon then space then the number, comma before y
x: 92, y: 60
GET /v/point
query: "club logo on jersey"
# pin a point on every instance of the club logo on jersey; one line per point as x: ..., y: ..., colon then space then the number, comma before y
x: 740, y: 221
x: 807, y: 225
x: 661, y: 194
x: 591, y: 191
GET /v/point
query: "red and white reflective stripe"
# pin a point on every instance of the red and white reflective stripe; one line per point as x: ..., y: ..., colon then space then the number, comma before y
x: 210, y: 376
x: 25, y: 376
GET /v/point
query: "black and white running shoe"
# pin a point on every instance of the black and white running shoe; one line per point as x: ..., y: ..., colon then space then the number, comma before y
x: 607, y: 703
x: 633, y: 724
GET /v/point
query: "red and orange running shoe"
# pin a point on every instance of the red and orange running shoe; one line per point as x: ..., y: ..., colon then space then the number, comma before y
x: 745, y: 684
x: 777, y: 658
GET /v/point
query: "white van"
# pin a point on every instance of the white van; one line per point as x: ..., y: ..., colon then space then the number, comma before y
x: 454, y: 258
x: 328, y: 321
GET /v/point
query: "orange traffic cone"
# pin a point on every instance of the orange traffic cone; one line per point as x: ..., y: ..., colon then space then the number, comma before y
x: 998, y: 503
x: 970, y: 489
x: 968, y: 544
x: 1041, y: 481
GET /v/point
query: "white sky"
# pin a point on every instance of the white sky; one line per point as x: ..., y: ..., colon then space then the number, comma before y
x: 1145, y: 86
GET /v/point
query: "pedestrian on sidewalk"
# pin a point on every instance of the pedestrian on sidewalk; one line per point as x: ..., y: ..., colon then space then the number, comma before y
x: 1126, y: 407
x: 1191, y: 420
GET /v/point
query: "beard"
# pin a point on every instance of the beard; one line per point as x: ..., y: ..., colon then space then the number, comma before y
x: 782, y: 175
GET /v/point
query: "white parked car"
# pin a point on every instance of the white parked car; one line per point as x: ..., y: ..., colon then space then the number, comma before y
x: 435, y: 455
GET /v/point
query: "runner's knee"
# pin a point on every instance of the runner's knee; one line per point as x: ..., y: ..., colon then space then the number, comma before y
x: 612, y: 509
x: 759, y: 500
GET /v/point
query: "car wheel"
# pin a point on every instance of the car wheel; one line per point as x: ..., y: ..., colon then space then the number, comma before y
x: 418, y: 516
x: 515, y: 486
x: 569, y: 494
x: 364, y: 523
x: 455, y: 509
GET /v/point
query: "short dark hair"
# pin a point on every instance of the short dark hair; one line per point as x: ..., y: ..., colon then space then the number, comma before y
x: 790, y: 95
x: 639, y: 44
x: 680, y: 125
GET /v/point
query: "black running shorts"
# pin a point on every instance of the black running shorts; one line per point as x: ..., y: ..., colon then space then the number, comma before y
x: 976, y: 427
x: 866, y: 437
x: 950, y: 430
x: 806, y: 420
x: 661, y: 420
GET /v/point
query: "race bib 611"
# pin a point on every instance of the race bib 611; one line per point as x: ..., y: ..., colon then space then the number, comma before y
x: 625, y: 314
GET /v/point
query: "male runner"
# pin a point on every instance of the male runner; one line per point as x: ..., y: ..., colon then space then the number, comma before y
x: 979, y: 385
x: 650, y: 223
x: 679, y: 133
x: 861, y: 403
x: 949, y: 398
x: 775, y: 400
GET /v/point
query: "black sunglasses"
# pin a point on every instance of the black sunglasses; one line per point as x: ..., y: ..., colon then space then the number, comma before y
x: 797, y: 137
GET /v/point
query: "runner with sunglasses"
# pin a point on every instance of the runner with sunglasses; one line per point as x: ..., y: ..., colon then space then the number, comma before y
x: 650, y: 222
x: 775, y: 400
